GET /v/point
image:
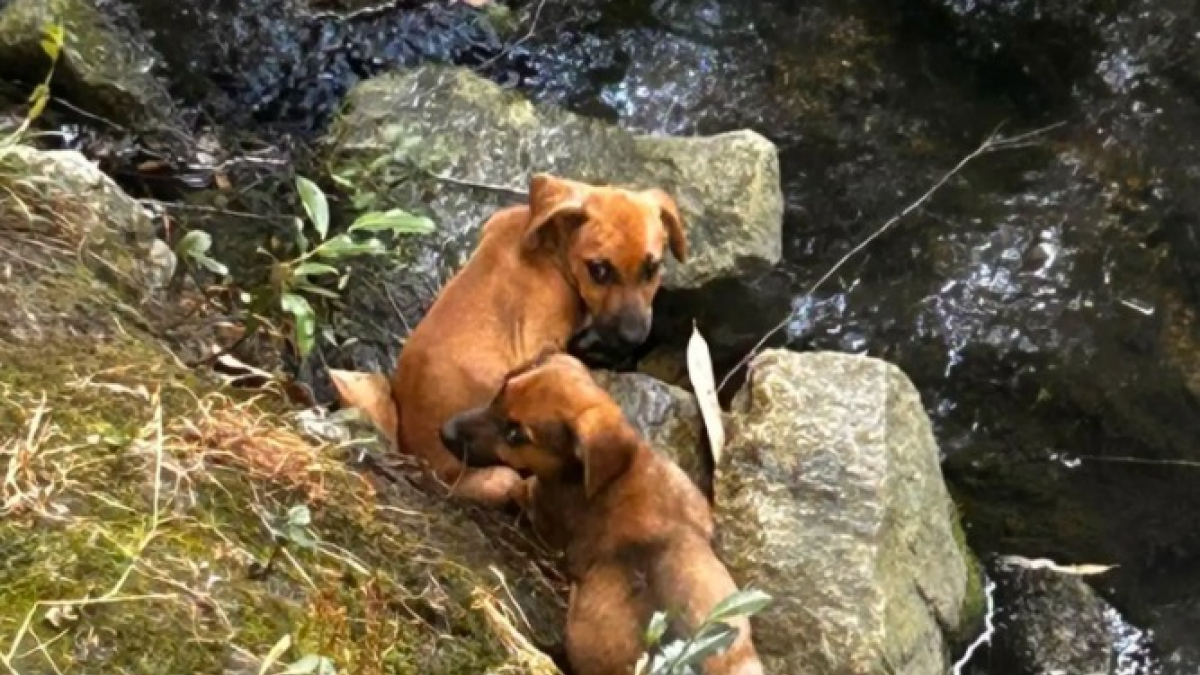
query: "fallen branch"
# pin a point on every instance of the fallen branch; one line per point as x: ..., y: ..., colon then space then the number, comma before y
x: 993, y: 143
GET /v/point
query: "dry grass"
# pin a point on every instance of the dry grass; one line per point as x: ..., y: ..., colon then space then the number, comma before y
x: 139, y: 501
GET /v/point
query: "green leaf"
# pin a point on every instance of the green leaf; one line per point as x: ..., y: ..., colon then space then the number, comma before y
x: 707, y: 644
x: 214, y: 266
x: 299, y: 515
x: 302, y: 538
x: 38, y: 99
x: 52, y: 40
x: 194, y: 246
x: 305, y: 321
x: 655, y: 629
x: 396, y: 221
x: 310, y: 269
x: 344, y: 246
x: 193, y: 243
x: 742, y: 603
x: 379, y: 162
x: 363, y: 201
x: 315, y: 204
x: 300, y: 238
x: 316, y: 290
x: 669, y: 660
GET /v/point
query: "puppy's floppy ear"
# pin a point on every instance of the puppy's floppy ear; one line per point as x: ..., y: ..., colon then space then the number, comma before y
x: 669, y: 212
x: 604, y: 444
x: 551, y: 200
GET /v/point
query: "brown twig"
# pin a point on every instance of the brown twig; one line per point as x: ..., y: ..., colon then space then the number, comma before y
x: 993, y: 143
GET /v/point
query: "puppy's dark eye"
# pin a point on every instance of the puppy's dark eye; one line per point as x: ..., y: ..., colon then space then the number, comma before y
x: 650, y: 269
x: 514, y: 435
x: 602, y: 271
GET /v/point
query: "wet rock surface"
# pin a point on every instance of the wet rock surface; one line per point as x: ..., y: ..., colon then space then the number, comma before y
x: 287, y: 64
x: 841, y: 511
x: 1049, y: 622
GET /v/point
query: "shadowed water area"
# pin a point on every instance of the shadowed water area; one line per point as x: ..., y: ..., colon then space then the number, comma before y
x: 1044, y: 300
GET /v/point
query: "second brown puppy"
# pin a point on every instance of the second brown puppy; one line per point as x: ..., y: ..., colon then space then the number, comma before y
x: 636, y: 530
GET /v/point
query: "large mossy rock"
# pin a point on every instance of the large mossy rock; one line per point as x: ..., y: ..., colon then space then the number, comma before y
x: 138, y: 499
x: 829, y: 496
x: 457, y: 147
x: 103, y: 69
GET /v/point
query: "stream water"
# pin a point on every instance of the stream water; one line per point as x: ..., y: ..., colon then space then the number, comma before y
x: 1044, y: 300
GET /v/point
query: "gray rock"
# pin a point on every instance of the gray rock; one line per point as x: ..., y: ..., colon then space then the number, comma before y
x: 102, y: 69
x: 667, y: 416
x: 445, y: 142
x: 830, y: 497
x: 62, y: 197
x: 1050, y: 623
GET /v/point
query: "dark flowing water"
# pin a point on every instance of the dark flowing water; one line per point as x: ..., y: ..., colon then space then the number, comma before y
x: 1044, y: 300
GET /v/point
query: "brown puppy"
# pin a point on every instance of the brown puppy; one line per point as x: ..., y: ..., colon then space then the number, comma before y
x: 576, y: 256
x: 636, y: 530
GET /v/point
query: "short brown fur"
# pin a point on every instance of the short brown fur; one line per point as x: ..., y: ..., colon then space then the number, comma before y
x: 637, y: 532
x: 527, y: 287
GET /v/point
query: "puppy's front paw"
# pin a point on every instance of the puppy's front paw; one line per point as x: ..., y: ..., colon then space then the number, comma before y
x: 522, y: 493
x: 493, y: 485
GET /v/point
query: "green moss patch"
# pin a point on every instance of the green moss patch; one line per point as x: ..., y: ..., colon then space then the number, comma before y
x: 139, y: 500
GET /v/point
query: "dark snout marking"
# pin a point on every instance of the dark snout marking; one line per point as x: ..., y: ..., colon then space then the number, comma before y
x: 633, y: 327
x: 462, y: 436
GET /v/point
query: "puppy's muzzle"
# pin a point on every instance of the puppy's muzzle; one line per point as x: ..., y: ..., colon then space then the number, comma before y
x: 625, y: 331
x: 464, y: 435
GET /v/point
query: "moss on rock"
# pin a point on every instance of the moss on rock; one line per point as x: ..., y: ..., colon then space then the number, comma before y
x: 138, y: 498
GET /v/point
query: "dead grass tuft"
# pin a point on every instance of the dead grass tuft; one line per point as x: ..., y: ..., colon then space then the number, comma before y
x: 241, y: 436
x: 140, y: 502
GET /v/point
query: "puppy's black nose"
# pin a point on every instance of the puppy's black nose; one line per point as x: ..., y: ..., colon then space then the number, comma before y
x: 450, y: 437
x: 632, y: 331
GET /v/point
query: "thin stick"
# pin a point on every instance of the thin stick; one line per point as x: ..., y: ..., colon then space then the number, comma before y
x: 1141, y: 460
x: 993, y: 143
x: 212, y: 209
x: 493, y: 187
x: 988, y: 628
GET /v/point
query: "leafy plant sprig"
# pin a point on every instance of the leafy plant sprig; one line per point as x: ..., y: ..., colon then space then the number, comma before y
x: 293, y: 282
x: 713, y: 636
x: 293, y: 279
x: 53, y: 39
